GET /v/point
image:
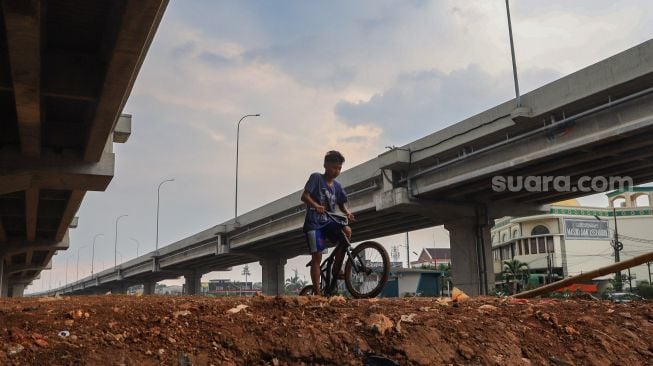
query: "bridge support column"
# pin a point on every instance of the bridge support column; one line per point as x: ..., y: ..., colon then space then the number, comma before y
x: 193, y: 284
x: 119, y: 290
x: 471, y: 256
x: 148, y: 288
x: 273, y: 275
x: 17, y: 290
x: 4, y: 285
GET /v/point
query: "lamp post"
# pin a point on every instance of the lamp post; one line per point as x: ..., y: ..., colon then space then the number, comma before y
x: 237, y: 141
x: 138, y: 244
x: 93, y: 255
x: 77, y: 271
x: 158, y: 196
x: 115, y: 244
x: 67, y: 258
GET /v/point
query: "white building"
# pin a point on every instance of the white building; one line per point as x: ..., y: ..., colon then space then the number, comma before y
x: 572, y: 239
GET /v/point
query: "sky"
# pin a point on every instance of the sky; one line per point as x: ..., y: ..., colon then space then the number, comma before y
x: 355, y: 76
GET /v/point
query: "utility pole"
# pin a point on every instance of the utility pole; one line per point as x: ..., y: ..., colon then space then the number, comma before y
x: 649, y: 272
x: 407, y: 251
x: 618, y: 246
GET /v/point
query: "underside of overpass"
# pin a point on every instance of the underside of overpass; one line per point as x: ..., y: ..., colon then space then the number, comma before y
x: 66, y: 70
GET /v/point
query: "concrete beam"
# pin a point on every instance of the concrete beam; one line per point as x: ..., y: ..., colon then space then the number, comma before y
x: 72, y: 206
x: 15, y: 182
x: 149, y: 288
x: 55, y: 171
x: 621, y: 120
x: 31, y: 209
x: 138, y: 25
x: 471, y: 262
x: 23, y: 25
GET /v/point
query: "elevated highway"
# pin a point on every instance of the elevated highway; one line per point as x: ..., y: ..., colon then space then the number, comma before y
x: 66, y: 70
x: 595, y: 122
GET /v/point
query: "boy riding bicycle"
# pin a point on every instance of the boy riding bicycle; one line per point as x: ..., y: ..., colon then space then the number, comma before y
x: 321, y: 194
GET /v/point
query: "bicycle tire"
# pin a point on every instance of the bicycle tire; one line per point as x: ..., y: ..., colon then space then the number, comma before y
x: 307, y: 290
x: 385, y: 272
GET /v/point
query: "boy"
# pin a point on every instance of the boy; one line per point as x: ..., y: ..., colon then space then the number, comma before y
x: 322, y: 193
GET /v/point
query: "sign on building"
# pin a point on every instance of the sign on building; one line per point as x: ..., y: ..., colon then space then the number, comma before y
x: 586, y: 229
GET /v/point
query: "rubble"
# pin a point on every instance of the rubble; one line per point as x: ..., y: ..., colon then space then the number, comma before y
x: 315, y: 330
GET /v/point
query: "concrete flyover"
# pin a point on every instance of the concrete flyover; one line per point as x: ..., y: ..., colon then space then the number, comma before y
x: 595, y: 122
x: 66, y: 70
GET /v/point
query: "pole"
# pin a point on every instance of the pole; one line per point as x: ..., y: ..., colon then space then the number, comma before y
x: 115, y: 244
x: 649, y: 272
x: 138, y: 244
x: 512, y: 51
x: 77, y: 271
x: 67, y: 258
x: 158, y: 196
x: 407, y: 251
x: 93, y: 255
x: 237, y: 142
x: 613, y: 268
x: 617, y: 247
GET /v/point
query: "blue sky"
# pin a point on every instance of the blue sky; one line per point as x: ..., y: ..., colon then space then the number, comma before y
x: 351, y: 75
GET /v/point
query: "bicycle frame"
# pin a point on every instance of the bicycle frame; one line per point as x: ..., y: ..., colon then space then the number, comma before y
x: 326, y: 268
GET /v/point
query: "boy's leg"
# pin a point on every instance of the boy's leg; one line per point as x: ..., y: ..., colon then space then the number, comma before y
x: 315, y: 272
x: 340, y: 254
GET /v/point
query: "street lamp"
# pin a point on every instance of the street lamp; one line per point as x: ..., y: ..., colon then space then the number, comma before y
x: 93, y: 255
x: 237, y: 141
x: 115, y: 244
x: 67, y: 258
x: 77, y: 271
x: 138, y: 244
x: 158, y: 195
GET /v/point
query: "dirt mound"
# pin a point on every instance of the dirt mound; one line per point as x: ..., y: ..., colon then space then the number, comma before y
x: 153, y: 330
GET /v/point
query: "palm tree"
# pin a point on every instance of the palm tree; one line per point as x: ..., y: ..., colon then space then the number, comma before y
x: 294, y: 284
x: 514, y: 269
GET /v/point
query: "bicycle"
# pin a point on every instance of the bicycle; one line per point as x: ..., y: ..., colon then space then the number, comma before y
x: 366, y: 270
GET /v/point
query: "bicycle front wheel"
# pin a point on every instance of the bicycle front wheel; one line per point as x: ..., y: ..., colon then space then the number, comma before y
x: 366, y: 272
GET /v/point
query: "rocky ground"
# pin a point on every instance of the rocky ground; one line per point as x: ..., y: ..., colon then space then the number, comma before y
x: 153, y: 330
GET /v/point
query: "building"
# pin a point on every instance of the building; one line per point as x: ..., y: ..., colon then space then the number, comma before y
x: 571, y: 239
x: 413, y: 282
x: 432, y: 258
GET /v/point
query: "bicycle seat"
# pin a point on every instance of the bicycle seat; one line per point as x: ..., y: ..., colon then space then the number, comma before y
x: 340, y: 219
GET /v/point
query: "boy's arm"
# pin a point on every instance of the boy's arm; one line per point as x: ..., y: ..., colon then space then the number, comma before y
x: 346, y: 211
x: 308, y: 200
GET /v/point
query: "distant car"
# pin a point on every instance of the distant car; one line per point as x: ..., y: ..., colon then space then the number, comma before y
x: 622, y: 297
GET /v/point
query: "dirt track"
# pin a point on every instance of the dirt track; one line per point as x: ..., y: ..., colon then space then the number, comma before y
x: 152, y: 330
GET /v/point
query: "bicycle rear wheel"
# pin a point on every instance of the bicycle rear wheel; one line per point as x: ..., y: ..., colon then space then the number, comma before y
x: 366, y: 272
x: 307, y: 290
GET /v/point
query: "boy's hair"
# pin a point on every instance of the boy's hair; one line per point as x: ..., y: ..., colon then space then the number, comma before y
x: 334, y: 157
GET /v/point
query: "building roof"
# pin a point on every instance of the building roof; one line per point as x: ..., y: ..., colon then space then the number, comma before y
x: 439, y: 253
x: 631, y: 189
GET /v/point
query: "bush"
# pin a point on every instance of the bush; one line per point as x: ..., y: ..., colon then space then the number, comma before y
x: 645, y: 291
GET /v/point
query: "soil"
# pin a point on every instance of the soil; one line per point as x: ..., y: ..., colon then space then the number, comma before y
x: 260, y: 330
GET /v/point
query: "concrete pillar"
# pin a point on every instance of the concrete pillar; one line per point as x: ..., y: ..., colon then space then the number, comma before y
x: 4, y: 286
x: 148, y: 288
x: 119, y: 289
x: 468, y: 274
x: 17, y: 290
x: 273, y: 275
x: 193, y: 284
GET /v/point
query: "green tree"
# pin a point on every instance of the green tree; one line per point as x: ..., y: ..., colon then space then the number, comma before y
x: 514, y: 272
x: 294, y: 284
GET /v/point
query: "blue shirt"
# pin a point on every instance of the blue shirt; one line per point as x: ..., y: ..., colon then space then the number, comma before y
x: 329, y: 197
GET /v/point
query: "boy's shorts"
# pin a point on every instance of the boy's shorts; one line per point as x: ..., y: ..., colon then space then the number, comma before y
x: 325, y: 237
